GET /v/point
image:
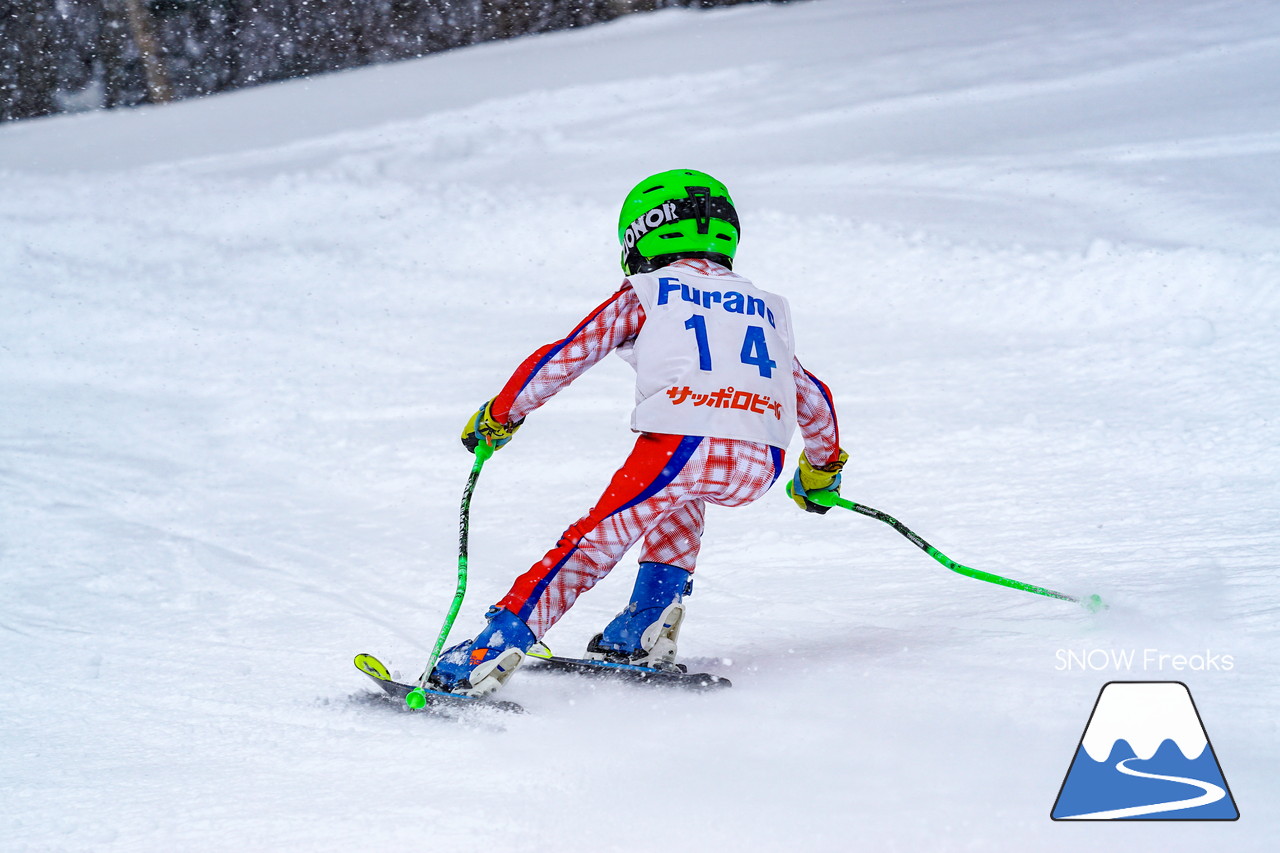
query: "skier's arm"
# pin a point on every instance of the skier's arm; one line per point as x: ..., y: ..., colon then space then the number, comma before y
x: 616, y: 321
x: 816, y: 416
x: 822, y: 460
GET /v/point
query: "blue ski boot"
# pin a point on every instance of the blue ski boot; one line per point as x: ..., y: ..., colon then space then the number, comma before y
x: 645, y: 632
x: 480, y: 666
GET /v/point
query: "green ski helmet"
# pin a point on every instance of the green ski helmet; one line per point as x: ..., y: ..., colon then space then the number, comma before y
x: 682, y: 213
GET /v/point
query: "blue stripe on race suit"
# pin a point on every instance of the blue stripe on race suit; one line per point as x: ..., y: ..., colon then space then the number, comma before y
x: 679, y: 457
x: 687, y: 447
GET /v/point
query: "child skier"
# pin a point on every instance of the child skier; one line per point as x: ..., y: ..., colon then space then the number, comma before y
x: 719, y: 393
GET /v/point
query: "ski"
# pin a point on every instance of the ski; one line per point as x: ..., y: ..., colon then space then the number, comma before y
x: 436, y: 700
x: 675, y: 677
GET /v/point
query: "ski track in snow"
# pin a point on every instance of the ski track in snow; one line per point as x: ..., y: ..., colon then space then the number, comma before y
x: 1033, y: 248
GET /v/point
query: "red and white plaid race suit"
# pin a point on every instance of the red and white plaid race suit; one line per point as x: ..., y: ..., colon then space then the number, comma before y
x: 661, y: 491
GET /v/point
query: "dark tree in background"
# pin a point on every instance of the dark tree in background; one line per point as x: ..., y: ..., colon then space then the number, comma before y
x: 33, y: 49
x: 59, y: 55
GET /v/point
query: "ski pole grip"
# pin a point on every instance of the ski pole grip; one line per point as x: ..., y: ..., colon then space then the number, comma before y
x: 822, y: 498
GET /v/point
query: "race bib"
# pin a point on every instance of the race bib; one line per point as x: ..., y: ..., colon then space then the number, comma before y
x: 713, y: 358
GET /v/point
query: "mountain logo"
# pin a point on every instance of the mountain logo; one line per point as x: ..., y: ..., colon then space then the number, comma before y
x: 1144, y: 755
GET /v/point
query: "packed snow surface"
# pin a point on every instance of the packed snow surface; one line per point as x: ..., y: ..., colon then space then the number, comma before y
x: 1034, y: 248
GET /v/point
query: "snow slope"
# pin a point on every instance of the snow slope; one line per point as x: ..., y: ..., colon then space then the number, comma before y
x: 1032, y: 246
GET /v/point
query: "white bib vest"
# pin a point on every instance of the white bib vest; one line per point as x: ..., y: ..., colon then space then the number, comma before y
x: 713, y: 358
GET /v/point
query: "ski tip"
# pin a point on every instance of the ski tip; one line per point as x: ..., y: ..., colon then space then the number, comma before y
x: 370, y: 665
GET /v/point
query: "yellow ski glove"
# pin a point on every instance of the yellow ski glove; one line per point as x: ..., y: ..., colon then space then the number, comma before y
x: 482, y: 427
x: 811, y: 479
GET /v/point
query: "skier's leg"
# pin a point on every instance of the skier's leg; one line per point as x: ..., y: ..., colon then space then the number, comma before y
x: 646, y: 630
x: 663, y: 475
x: 729, y: 473
x: 676, y: 538
x: 650, y: 483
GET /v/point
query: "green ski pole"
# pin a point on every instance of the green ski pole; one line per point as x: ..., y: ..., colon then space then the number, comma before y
x: 417, y: 697
x: 1093, y: 603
